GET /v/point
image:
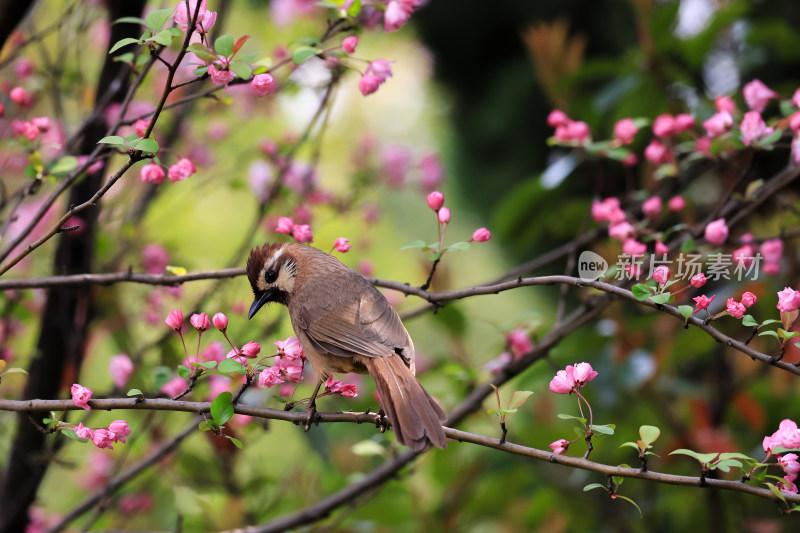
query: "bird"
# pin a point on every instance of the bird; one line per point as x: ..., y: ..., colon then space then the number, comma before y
x: 344, y: 324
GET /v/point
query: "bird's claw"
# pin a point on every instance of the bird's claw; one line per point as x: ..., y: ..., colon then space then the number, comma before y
x: 381, y: 422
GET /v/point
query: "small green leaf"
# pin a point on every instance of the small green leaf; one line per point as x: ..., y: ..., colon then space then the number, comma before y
x: 222, y: 407
x: 203, y: 426
x: 748, y: 320
x: 200, y: 71
x: 663, y: 298
x: 71, y: 434
x: 492, y: 412
x: 518, y: 398
x: 122, y: 42
x: 604, y: 429
x: 132, y: 20
x: 787, y: 334
x: 641, y: 291
x: 703, y: 458
x: 113, y: 140
x: 231, y: 365
x: 592, y: 486
x: 563, y: 416
x: 134, y: 392
x: 164, y: 37
x: 726, y: 465
x: 202, y: 52
x: 355, y: 8
x: 458, y: 246
x: 770, y: 333
x: 368, y: 447
x: 47, y: 421
x: 734, y: 455
x: 686, y: 311
x: 241, y: 69
x: 208, y: 365
x: 415, y: 244
x: 631, y: 502
x: 436, y: 256
x: 15, y: 370
x: 506, y: 412
x: 155, y: 19
x: 224, y: 45
x: 629, y: 445
x: 770, y: 321
x: 236, y: 442
x: 127, y: 57
x: 302, y: 53
x: 184, y: 371
x: 776, y: 492
x: 649, y: 434
x: 688, y: 245
x: 148, y: 146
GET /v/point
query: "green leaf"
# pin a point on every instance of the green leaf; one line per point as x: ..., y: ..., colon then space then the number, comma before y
x: 134, y: 392
x: 492, y: 412
x: 563, y: 416
x: 175, y: 31
x: 222, y: 407
x: 113, y: 140
x: 458, y: 246
x: 726, y: 465
x: 241, y: 69
x: 663, y: 298
x: 368, y: 447
x: 122, y: 42
x: 631, y: 502
x: 15, y: 370
x: 649, y: 434
x: 592, y: 486
x: 734, y: 455
x: 202, y: 52
x: 770, y: 333
x: 203, y: 426
x: 148, y: 146
x: 236, y: 442
x: 224, y: 45
x: 770, y: 321
x: 686, y: 311
x: 208, y: 365
x: 630, y: 445
x: 787, y: 334
x: 355, y: 8
x: 164, y: 37
x: 518, y: 398
x: 688, y: 245
x: 155, y: 19
x: 184, y: 371
x: 776, y: 492
x: 302, y: 53
x: 436, y: 256
x: 200, y: 71
x: 748, y: 320
x: 71, y: 434
x: 704, y: 458
x: 132, y: 20
x: 641, y: 291
x: 605, y: 429
x: 415, y: 244
x: 506, y: 412
x: 127, y: 57
x: 231, y: 365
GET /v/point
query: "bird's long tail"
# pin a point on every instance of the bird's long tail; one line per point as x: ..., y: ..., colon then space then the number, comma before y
x: 415, y: 416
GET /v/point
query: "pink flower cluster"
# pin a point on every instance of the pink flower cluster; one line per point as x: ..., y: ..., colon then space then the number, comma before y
x: 788, y: 300
x: 333, y: 386
x: 248, y: 351
x: 154, y: 173
x: 289, y: 364
x: 120, y: 368
x: 81, y: 396
x: 32, y: 128
x: 702, y: 302
x: 117, y: 431
x: 397, y: 13
x: 572, y: 378
x: 377, y: 72
x: 737, y: 309
x: 788, y: 437
x: 568, y: 131
x: 301, y: 232
x: 435, y: 201
x: 183, y: 16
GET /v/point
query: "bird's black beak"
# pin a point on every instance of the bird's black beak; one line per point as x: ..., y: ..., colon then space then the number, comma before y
x: 261, y: 298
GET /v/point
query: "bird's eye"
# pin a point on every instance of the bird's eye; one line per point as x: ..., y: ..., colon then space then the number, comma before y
x: 271, y: 276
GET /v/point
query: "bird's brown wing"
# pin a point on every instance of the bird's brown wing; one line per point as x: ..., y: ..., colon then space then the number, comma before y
x: 368, y: 326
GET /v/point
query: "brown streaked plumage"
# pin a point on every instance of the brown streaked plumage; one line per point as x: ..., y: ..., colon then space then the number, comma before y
x: 346, y: 325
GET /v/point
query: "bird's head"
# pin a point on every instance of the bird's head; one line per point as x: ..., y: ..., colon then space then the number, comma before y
x: 272, y: 271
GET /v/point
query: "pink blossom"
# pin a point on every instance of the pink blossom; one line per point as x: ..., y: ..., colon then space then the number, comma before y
x: 302, y: 233
x: 349, y: 44
x: 435, y: 200
x: 200, y: 322
x: 103, y: 438
x: 621, y: 231
x: 657, y: 153
x: 753, y: 127
x: 42, y: 124
x: 661, y: 248
x: 369, y: 83
x: 683, y: 122
x: 120, y: 430
x: 563, y: 382
x: 155, y: 258
x: 560, y: 446
x: 251, y: 349
x: 770, y: 443
x: 790, y: 465
x: 796, y: 98
x: 237, y: 356
x: 380, y: 68
x: 395, y: 162
x: 291, y: 348
x: 703, y: 302
x: 397, y: 13
x: 120, y: 367
x: 747, y: 237
x: 794, y: 121
x: 716, y: 232
x: 578, y: 131
x: 141, y: 127
x: 735, y: 308
x: 744, y: 255
x: 698, y: 280
x: 2, y: 110
x: 285, y: 225
x: 293, y: 373
x: 772, y: 250
x: 444, y: 216
x: 703, y: 146
x: 788, y: 300
x: 219, y: 76
x: 652, y: 207
x: 481, y: 235
x: 787, y: 486
x: 630, y: 159
x: 20, y: 96
x: 205, y: 19
x: 718, y: 124
x: 583, y: 373
x: 152, y: 173
x: 519, y: 341
x: 431, y: 171
x: 625, y: 130
x: 771, y: 269
x: 748, y: 299
x: 30, y: 131
x: 661, y: 275
x: 332, y: 385
x: 607, y: 210
x: 558, y: 118
x: 263, y: 84
x: 81, y: 396
x: 342, y: 245
x: 633, y: 248
x: 349, y: 390
x: 23, y: 68
x: 181, y: 170
x: 220, y: 321
x: 788, y: 435
x: 83, y: 432
x: 174, y: 320
x: 174, y: 387
x: 725, y: 104
x: 664, y: 126
x: 213, y: 352
x: 676, y: 203
x: 269, y: 377
x: 796, y: 149
x: 757, y: 95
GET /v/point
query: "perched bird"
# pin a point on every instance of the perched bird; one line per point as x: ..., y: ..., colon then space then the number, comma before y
x: 344, y: 324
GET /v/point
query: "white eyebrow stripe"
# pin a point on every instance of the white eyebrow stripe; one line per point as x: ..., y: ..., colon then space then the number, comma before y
x: 275, y: 256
